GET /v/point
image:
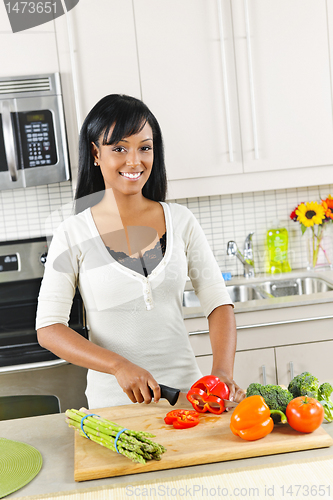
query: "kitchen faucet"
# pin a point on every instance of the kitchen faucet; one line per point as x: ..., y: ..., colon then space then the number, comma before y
x: 247, y: 257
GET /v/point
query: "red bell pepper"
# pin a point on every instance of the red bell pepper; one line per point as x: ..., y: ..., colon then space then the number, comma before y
x: 182, y: 419
x: 207, y: 394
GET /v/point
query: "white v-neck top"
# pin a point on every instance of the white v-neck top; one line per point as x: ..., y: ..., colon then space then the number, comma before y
x: 138, y: 317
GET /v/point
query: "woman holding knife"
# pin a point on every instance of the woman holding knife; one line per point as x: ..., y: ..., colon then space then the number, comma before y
x: 130, y: 253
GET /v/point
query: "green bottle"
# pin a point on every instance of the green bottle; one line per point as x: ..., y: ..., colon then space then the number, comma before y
x: 277, y: 246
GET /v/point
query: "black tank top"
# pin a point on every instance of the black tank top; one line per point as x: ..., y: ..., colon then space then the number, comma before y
x: 145, y: 264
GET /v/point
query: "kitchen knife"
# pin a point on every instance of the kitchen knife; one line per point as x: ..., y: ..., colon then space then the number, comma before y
x: 175, y: 395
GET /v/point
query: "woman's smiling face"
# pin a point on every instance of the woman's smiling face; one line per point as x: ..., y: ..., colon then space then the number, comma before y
x: 126, y: 165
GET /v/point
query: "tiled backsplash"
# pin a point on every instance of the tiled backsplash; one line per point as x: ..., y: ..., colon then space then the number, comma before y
x: 23, y: 213
x: 233, y: 217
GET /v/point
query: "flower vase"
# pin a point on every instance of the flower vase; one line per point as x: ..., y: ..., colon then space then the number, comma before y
x: 319, y: 248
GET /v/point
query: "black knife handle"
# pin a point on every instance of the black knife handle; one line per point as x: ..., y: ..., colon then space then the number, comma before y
x: 169, y: 393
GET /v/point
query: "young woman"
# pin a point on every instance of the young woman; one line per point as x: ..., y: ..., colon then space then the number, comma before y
x: 130, y: 253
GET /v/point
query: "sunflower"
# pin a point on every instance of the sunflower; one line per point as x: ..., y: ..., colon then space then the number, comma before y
x: 310, y: 213
x: 328, y: 207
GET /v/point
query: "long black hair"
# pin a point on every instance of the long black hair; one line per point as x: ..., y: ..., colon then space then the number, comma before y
x: 128, y: 115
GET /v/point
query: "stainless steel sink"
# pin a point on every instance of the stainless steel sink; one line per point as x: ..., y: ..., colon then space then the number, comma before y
x: 267, y: 289
x: 238, y: 293
x: 295, y: 286
x: 244, y: 293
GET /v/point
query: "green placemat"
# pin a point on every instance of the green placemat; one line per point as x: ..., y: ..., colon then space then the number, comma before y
x: 19, y: 464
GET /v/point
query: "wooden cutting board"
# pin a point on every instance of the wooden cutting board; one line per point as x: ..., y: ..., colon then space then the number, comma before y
x: 210, y: 441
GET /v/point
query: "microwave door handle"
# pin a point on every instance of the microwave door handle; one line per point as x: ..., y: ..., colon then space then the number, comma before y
x: 8, y: 137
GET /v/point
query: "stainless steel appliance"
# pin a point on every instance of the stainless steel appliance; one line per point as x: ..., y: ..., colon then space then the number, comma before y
x: 25, y: 367
x: 21, y: 271
x: 33, y: 145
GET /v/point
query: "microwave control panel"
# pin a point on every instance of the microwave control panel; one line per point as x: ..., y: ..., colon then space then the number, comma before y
x: 38, y: 139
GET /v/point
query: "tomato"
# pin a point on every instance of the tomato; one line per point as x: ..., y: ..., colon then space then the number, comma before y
x: 305, y: 414
x: 182, y: 419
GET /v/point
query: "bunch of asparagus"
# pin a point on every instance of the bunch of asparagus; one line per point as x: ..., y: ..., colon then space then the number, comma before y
x: 135, y: 445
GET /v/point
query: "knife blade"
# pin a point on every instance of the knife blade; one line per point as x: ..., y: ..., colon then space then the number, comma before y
x: 174, y: 396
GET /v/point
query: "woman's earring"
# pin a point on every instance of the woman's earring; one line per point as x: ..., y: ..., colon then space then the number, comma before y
x: 95, y: 164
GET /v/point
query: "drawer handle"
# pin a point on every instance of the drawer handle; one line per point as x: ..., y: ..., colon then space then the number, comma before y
x: 291, y: 369
x: 263, y: 373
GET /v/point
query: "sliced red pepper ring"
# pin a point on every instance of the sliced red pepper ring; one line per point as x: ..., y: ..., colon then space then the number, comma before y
x: 203, y: 402
x: 207, y: 394
x: 182, y: 419
x: 174, y: 414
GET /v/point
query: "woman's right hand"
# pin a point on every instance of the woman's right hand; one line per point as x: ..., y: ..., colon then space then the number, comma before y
x: 136, y: 381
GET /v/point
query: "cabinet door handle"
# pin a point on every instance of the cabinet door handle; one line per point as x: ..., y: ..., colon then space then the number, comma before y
x: 73, y: 64
x: 291, y: 369
x: 8, y: 137
x: 263, y: 372
x: 225, y: 81
x: 250, y: 68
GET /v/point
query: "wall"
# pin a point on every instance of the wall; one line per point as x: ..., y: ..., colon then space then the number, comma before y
x: 23, y: 213
x: 232, y: 217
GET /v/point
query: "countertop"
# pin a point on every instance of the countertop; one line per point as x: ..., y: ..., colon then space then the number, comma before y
x: 272, y: 303
x: 55, y: 440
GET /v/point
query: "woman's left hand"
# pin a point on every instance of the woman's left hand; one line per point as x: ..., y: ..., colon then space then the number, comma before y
x: 236, y: 393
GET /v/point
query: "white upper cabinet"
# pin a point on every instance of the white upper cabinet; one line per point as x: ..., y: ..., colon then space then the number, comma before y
x: 283, y: 76
x: 188, y: 80
x: 242, y: 90
x: 28, y: 52
x: 97, y: 56
x: 105, y: 50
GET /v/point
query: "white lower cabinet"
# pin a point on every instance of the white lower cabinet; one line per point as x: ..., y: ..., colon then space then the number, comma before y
x: 205, y: 363
x: 257, y: 365
x: 278, y: 365
x: 274, y: 345
x: 314, y: 357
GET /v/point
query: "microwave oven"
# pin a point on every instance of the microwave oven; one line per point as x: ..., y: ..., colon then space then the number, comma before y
x: 33, y: 143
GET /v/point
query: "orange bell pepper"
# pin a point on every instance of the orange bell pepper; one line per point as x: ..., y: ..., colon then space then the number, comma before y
x: 251, y: 419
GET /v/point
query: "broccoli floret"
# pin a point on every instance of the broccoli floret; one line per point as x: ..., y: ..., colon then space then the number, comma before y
x: 304, y: 384
x: 325, y: 390
x: 295, y: 384
x: 324, y: 393
x: 310, y: 386
x: 254, y: 390
x: 275, y: 396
